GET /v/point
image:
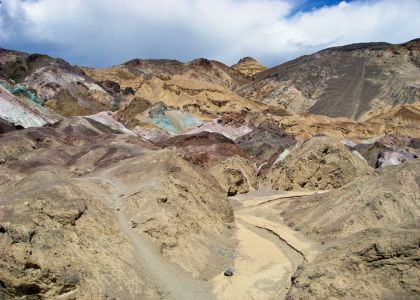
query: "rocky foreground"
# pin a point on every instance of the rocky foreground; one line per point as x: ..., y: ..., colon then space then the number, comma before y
x: 157, y: 179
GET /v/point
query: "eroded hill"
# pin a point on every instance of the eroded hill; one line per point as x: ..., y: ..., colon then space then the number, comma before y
x: 343, y: 81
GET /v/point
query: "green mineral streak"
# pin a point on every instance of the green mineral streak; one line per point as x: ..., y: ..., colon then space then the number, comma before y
x: 190, y: 121
x: 23, y: 90
x: 163, y: 122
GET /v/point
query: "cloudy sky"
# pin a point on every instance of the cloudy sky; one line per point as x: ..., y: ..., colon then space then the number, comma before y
x: 107, y: 32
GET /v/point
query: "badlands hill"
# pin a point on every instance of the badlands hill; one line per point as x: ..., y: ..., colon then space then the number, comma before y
x: 249, y: 66
x: 159, y: 179
x: 344, y: 81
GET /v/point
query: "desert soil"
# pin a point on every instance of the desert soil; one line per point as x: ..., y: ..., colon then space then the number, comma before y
x: 266, y: 256
x: 268, y: 252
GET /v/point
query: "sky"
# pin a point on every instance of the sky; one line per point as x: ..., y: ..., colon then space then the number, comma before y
x: 101, y: 33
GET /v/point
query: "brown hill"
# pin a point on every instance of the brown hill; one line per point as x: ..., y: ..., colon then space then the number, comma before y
x: 343, y: 81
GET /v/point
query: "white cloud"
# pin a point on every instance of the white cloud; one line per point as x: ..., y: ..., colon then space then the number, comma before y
x: 104, y: 32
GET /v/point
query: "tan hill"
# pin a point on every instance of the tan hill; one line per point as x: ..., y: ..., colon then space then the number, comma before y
x: 304, y: 126
x: 386, y: 256
x: 384, y: 198
x: 230, y: 166
x: 318, y: 164
x: 407, y: 115
x: 343, y: 81
x: 249, y: 66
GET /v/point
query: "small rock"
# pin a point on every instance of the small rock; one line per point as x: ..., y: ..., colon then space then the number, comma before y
x: 128, y: 91
x: 228, y: 272
x: 163, y: 199
x: 134, y: 224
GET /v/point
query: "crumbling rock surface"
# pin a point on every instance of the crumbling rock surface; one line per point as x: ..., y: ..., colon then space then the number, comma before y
x: 321, y: 163
x: 386, y: 198
x: 371, y: 264
x: 265, y: 140
x: 58, y: 239
x: 230, y: 166
x: 235, y: 175
x: 178, y: 205
x: 344, y: 81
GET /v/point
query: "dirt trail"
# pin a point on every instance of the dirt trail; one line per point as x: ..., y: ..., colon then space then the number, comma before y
x: 284, y: 195
x: 295, y: 240
x: 260, y: 267
x: 169, y: 279
x: 268, y: 252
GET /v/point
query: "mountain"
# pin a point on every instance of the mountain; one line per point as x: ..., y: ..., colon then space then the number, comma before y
x: 64, y: 88
x: 249, y: 66
x: 159, y: 179
x: 202, y: 88
x: 342, y: 81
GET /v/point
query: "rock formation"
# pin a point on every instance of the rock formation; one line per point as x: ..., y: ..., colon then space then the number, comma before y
x: 249, y: 66
x: 320, y: 163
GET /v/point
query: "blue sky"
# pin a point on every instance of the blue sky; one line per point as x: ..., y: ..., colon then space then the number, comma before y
x: 107, y: 32
x: 308, y: 5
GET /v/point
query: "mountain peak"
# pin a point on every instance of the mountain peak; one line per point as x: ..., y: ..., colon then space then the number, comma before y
x: 249, y: 66
x: 247, y: 59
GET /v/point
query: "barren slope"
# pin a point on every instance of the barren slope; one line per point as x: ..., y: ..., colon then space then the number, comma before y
x: 343, y: 81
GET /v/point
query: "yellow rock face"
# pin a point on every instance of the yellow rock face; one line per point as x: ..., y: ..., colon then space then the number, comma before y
x: 249, y: 66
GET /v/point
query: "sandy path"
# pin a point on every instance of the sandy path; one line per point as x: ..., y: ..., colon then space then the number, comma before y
x: 268, y: 252
x: 296, y: 240
x: 249, y: 202
x: 259, y: 268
